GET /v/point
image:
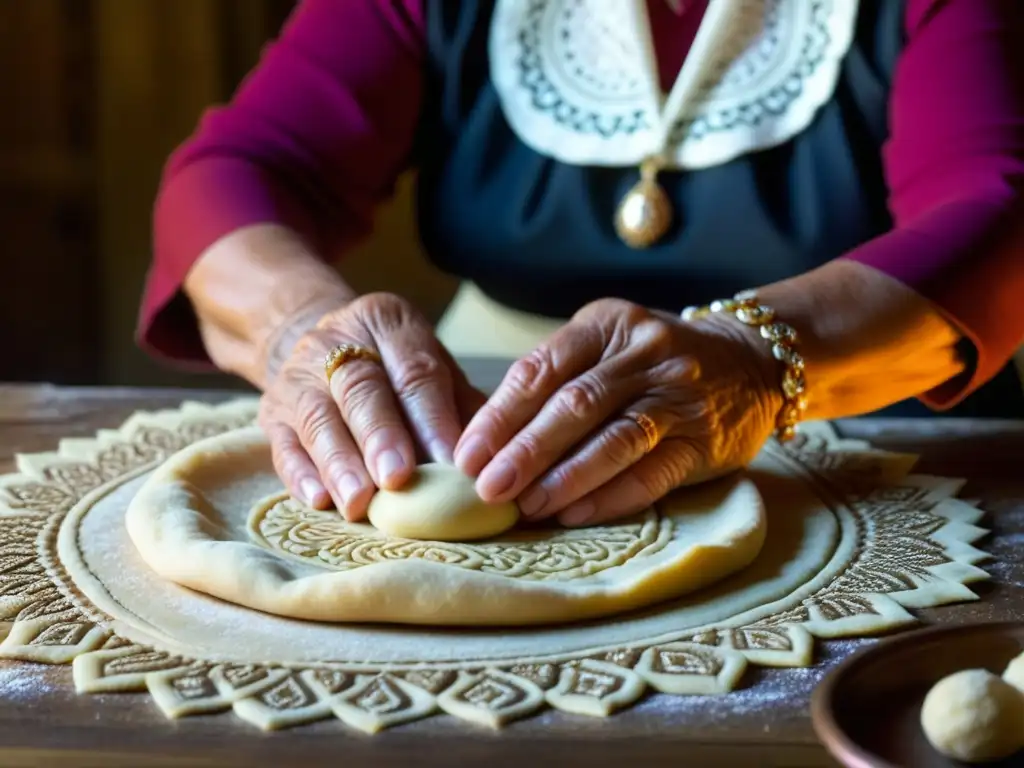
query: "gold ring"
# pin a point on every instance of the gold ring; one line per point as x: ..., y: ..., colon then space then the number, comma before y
x: 646, y: 423
x: 344, y: 353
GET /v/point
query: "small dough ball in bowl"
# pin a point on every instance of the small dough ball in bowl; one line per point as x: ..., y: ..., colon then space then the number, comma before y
x: 974, y: 716
x: 1014, y: 673
x: 439, y: 503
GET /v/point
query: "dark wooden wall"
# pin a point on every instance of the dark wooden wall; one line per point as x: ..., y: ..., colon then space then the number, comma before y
x: 93, y: 96
x: 48, y: 207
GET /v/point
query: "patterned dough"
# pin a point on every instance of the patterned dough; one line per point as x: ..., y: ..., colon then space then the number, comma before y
x: 853, y: 543
x: 214, y: 518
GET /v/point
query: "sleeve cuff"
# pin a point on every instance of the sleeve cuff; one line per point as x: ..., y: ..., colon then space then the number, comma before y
x: 966, y: 258
x: 201, y: 204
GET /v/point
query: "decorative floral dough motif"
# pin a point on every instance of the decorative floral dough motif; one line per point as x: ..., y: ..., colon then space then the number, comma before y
x: 294, y: 529
x: 911, y: 533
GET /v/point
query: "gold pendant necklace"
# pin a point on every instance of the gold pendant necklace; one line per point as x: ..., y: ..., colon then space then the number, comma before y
x: 645, y: 213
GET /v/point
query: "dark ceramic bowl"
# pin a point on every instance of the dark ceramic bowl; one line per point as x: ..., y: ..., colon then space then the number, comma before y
x: 867, y: 711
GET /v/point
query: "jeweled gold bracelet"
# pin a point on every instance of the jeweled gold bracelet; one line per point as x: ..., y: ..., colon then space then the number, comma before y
x: 746, y: 308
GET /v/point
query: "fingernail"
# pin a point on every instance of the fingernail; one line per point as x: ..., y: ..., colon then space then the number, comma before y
x: 577, y: 514
x: 472, y: 456
x: 348, y: 487
x: 312, y: 491
x: 389, y: 464
x: 533, y: 501
x: 440, y: 452
x: 496, y: 479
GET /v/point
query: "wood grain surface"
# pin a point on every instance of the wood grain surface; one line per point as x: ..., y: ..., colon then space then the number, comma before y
x: 43, y: 722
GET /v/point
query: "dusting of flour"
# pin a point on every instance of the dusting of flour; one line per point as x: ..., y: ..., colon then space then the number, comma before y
x: 775, y: 694
x: 22, y: 683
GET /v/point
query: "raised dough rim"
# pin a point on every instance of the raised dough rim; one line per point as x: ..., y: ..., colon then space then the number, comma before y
x: 284, y: 592
x: 69, y: 553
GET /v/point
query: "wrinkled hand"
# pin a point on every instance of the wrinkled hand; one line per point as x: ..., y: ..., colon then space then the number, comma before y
x: 556, y: 434
x: 369, y: 428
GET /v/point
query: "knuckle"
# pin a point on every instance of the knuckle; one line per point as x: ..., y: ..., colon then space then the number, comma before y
x: 380, y: 301
x: 668, y: 474
x: 660, y: 333
x: 655, y: 335
x: 339, y: 456
x: 294, y: 378
x: 632, y: 324
x: 634, y: 314
x: 581, y: 398
x: 624, y: 443
x: 314, y: 344
x: 563, y: 478
x: 601, y: 308
x: 529, y: 446
x: 698, y: 450
x: 531, y: 374
x: 383, y: 311
x: 283, y: 446
x: 676, y: 369
x: 588, y: 311
x: 355, y: 384
x: 494, y: 416
x: 288, y: 461
x: 417, y: 372
x: 314, y: 412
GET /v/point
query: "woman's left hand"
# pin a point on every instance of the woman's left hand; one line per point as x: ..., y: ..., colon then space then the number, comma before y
x: 559, y: 435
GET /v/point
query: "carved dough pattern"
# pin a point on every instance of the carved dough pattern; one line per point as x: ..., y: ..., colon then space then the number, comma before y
x: 914, y: 551
x: 290, y: 527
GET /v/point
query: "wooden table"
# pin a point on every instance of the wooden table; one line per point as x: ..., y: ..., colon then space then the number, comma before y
x: 44, y: 723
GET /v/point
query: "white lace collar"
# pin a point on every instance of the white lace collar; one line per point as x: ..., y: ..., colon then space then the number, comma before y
x: 578, y: 79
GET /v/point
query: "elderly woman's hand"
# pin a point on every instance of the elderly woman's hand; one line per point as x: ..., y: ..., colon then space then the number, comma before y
x: 368, y: 428
x: 560, y: 433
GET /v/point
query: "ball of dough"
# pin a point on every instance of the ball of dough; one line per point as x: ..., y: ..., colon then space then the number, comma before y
x: 1014, y: 673
x: 439, y: 503
x: 974, y: 716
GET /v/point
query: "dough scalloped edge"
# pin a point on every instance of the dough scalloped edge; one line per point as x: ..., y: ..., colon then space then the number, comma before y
x: 45, y: 618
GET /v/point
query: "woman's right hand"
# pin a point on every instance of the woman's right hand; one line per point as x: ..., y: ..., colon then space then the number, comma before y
x: 368, y: 427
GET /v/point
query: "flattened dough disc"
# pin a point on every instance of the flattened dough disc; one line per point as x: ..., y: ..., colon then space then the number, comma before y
x: 215, y: 518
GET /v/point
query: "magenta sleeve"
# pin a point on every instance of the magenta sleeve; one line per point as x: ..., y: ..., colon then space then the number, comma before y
x: 955, y: 164
x: 314, y: 138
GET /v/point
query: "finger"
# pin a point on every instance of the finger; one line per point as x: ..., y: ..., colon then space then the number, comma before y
x: 327, y: 442
x: 615, y: 447
x: 654, y: 476
x: 294, y: 467
x: 362, y: 390
x: 529, y: 383
x: 423, y: 379
x: 577, y: 410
